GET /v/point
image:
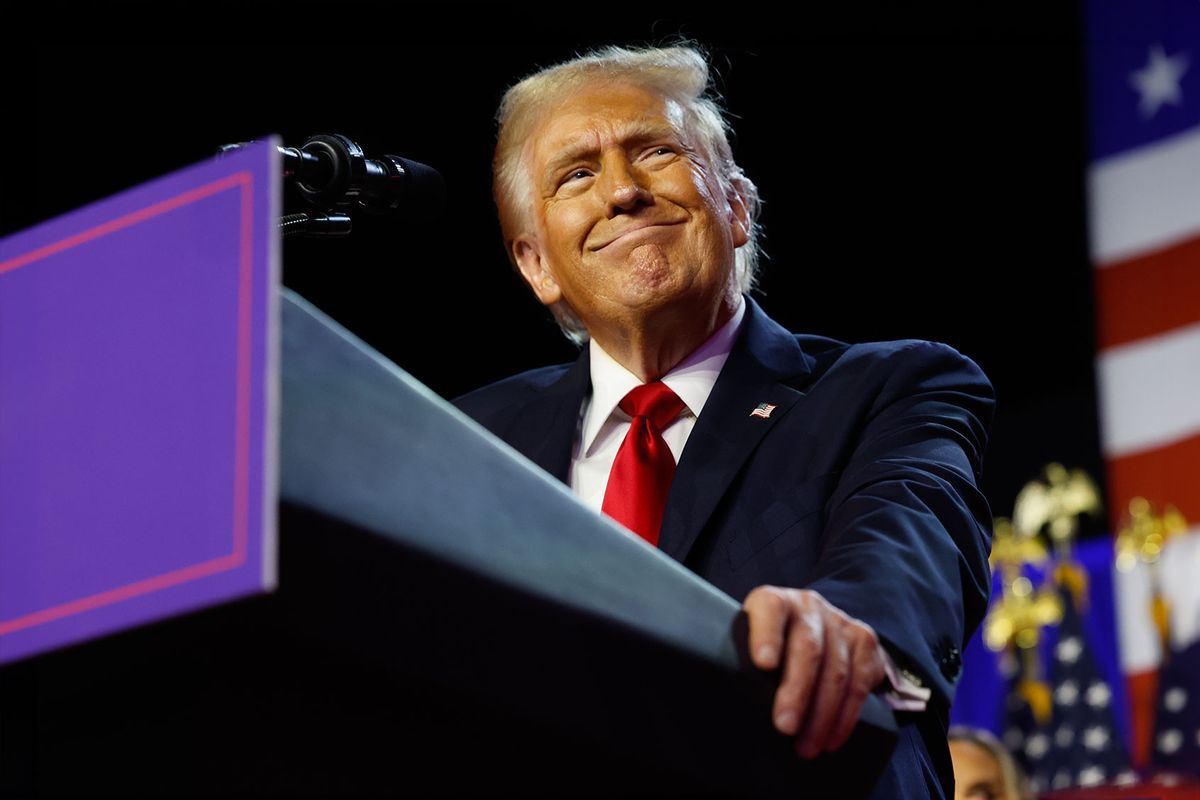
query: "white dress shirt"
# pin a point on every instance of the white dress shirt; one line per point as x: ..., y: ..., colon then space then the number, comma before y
x: 603, y: 425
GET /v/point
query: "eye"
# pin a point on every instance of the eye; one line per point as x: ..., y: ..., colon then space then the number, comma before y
x: 575, y: 176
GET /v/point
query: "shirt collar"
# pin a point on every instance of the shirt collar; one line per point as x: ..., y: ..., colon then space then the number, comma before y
x: 692, y: 379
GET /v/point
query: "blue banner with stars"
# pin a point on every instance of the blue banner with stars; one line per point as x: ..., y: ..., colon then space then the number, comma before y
x: 1143, y: 61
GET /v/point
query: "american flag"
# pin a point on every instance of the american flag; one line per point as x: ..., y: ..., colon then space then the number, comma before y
x: 1078, y: 745
x: 1177, y: 739
x: 1023, y: 734
x: 1144, y: 194
x: 762, y: 410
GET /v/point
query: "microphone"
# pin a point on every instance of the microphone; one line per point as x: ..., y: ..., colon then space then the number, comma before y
x: 330, y: 170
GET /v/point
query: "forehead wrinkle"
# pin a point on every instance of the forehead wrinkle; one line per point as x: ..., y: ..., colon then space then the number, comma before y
x: 579, y: 146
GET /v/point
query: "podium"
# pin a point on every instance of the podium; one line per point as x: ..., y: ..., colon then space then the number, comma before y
x: 449, y: 621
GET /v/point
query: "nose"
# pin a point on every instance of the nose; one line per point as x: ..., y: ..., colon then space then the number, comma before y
x: 624, y: 188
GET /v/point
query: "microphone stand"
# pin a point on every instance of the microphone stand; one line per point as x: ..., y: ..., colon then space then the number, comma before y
x: 323, y: 225
x: 331, y: 170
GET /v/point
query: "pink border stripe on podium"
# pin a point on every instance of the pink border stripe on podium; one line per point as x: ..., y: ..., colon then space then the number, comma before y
x: 244, y: 182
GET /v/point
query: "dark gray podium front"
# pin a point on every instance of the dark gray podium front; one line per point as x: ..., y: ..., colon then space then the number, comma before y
x: 450, y: 621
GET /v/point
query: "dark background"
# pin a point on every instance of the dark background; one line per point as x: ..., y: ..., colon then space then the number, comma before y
x: 922, y: 169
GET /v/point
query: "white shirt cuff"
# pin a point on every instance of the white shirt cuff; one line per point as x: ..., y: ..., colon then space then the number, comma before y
x: 905, y: 692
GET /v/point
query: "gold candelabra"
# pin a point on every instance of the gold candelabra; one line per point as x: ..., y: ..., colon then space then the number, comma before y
x: 1141, y: 538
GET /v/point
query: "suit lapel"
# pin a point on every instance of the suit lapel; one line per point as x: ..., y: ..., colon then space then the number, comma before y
x: 763, y: 362
x: 547, y: 433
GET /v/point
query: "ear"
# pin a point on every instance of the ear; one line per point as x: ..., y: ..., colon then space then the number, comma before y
x: 739, y: 217
x: 527, y: 253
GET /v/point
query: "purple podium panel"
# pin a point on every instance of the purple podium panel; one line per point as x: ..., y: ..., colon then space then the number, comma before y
x: 138, y: 405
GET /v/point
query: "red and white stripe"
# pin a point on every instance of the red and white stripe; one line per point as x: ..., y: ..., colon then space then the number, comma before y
x: 1145, y: 243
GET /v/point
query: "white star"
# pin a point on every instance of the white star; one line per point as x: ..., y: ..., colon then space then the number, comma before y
x: 1169, y: 741
x: 1013, y: 738
x: 1158, y: 81
x: 1126, y: 778
x: 1062, y: 779
x: 1090, y: 776
x: 1066, y: 694
x: 1095, y: 738
x: 1064, y: 736
x: 1036, y: 746
x: 1068, y: 650
x: 1174, y: 699
x: 1098, y: 694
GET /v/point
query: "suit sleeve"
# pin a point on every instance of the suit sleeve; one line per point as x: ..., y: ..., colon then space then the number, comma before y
x: 908, y: 532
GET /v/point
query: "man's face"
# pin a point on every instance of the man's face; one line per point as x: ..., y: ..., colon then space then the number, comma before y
x: 628, y: 220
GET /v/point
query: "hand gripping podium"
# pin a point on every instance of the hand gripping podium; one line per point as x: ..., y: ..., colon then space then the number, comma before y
x: 449, y: 621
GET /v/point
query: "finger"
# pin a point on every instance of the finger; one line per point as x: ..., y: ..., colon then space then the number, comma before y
x: 804, y: 653
x: 829, y: 691
x: 867, y: 673
x: 768, y: 610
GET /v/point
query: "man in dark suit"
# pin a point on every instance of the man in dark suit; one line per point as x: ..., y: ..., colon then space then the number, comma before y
x: 830, y: 487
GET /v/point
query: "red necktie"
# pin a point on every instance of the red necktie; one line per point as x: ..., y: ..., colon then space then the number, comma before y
x: 641, y: 474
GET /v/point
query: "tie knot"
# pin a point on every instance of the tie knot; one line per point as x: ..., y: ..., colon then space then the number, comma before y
x: 655, y: 401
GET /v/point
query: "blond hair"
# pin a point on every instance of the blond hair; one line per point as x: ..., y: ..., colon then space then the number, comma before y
x: 1016, y: 785
x: 677, y: 73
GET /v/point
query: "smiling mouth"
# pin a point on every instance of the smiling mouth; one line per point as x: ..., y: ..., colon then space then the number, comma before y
x: 634, y: 232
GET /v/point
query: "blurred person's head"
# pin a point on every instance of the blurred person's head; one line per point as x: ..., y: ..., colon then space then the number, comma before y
x: 983, y: 767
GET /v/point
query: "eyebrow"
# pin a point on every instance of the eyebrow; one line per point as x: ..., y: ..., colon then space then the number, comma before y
x: 577, y: 147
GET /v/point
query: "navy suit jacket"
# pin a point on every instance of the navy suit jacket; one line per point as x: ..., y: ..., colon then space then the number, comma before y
x: 861, y: 484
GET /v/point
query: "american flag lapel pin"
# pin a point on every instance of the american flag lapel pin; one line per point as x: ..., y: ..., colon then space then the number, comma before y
x: 762, y: 410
